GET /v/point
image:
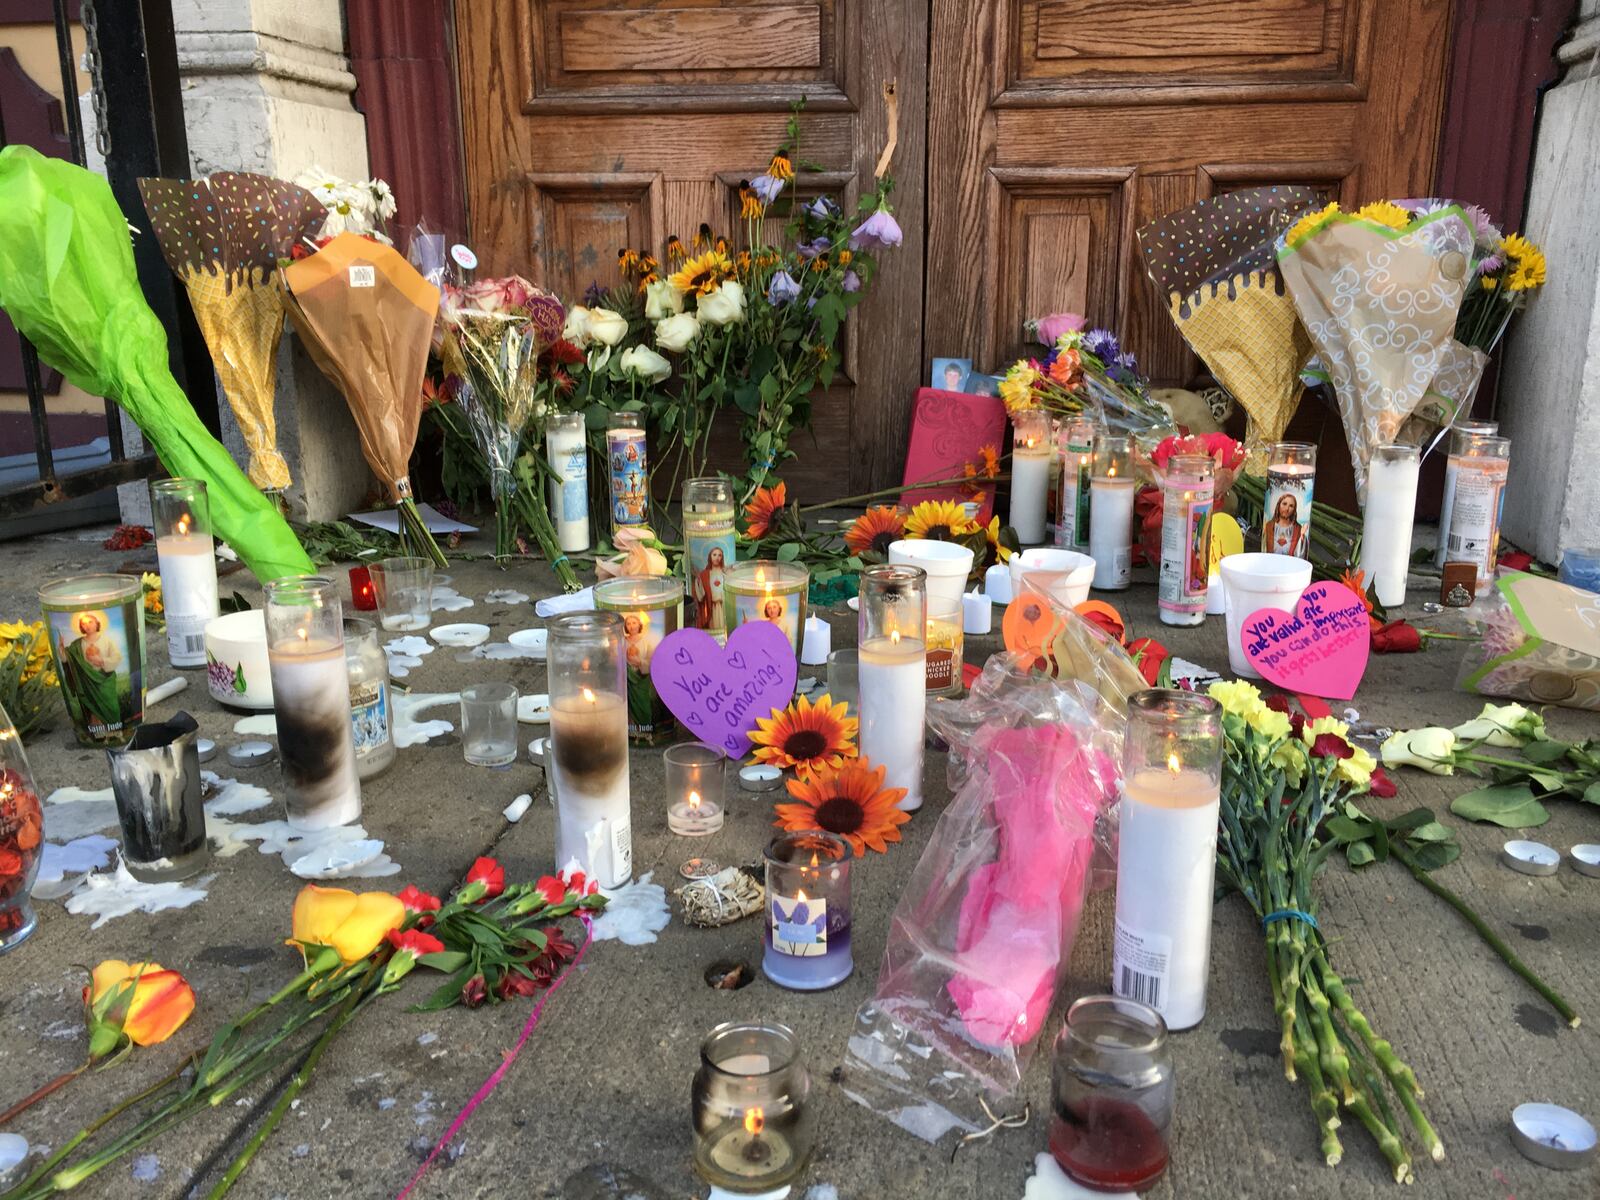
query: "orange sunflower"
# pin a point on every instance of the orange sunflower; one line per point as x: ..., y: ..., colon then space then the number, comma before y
x: 809, y: 737
x: 764, y: 508
x: 941, y: 520
x: 875, y: 529
x: 851, y: 802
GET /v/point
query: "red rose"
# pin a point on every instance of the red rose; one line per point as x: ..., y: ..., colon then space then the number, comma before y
x: 491, y: 875
x: 1397, y: 637
x: 419, y: 902
x: 1148, y: 654
x: 1516, y: 560
x: 552, y: 889
x: 1331, y: 745
x: 1381, y: 785
x: 414, y: 942
x: 474, y: 991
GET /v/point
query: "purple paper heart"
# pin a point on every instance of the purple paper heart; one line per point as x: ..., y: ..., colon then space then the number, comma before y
x: 718, y: 692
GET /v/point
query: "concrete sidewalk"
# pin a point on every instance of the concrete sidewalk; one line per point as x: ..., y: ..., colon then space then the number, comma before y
x: 604, y: 1081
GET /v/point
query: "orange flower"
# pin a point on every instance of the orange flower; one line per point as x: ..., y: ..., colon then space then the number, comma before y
x: 808, y: 737
x: 875, y: 529
x: 989, y: 459
x: 1356, y: 581
x: 749, y: 205
x: 1066, y: 369
x: 142, y: 1003
x: 764, y: 508
x: 675, y: 251
x: 851, y: 802
x: 780, y: 167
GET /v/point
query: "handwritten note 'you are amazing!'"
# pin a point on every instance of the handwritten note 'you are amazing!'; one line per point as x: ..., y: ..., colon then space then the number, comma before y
x: 718, y: 692
x: 1320, y: 648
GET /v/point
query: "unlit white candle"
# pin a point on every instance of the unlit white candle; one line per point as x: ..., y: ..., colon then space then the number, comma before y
x: 1386, y: 526
x: 1030, y: 485
x: 1111, y: 530
x: 188, y: 565
x: 893, y: 681
x: 569, y: 498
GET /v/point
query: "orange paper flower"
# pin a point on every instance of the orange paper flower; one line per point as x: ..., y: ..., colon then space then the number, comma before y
x: 875, y: 529
x: 353, y: 925
x: 808, y: 737
x: 851, y: 802
x: 143, y: 1003
x: 763, y: 508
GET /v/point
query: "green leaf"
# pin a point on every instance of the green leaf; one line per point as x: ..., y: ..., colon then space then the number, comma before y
x: 1591, y: 794
x: 1347, y: 831
x: 1432, y: 855
x: 1359, y: 854
x: 1380, y: 842
x: 1414, y: 819
x: 1432, y: 832
x: 747, y: 397
x: 789, y: 551
x: 1545, y: 753
x: 1509, y: 805
x: 444, y: 960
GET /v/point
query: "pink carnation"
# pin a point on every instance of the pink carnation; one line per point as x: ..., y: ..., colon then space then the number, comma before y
x: 1056, y: 324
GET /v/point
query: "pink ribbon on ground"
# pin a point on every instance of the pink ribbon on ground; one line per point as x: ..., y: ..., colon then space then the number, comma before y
x: 499, y: 1073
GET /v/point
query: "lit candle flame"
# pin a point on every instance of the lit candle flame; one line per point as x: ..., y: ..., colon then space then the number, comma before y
x: 303, y: 634
x: 183, y: 525
x: 1172, y: 762
x: 894, y: 636
x: 694, y: 801
x: 754, y: 1121
x: 588, y: 696
x: 813, y: 860
x: 1112, y: 473
x: 800, y: 894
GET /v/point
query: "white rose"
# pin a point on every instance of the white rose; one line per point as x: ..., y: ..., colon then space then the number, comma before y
x: 676, y: 333
x: 607, y: 327
x: 576, y: 330
x: 661, y: 299
x: 644, y: 363
x: 1429, y: 748
x: 1501, y: 725
x: 725, y: 306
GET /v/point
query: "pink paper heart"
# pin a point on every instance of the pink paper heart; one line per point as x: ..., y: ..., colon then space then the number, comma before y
x: 1319, y: 648
x: 718, y: 692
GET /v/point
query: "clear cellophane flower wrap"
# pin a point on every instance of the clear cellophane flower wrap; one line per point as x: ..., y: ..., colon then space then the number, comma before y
x: 1539, y: 641
x: 980, y: 939
x: 1449, y: 396
x: 1380, y: 304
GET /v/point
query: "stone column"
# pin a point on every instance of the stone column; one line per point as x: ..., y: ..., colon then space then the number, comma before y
x: 1550, y: 387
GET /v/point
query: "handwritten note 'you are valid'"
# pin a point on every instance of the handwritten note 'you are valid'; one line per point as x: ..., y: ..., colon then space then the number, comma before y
x: 1319, y: 648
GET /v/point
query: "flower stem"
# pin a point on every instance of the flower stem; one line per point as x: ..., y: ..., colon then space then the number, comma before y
x: 898, y: 488
x: 39, y: 1094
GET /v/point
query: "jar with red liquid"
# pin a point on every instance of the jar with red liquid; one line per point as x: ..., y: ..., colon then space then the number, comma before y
x: 21, y: 838
x: 1111, y: 1095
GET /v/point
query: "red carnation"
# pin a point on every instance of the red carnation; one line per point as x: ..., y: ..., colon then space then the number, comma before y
x: 474, y: 991
x: 413, y: 942
x: 564, y: 352
x: 491, y: 875
x: 1381, y: 785
x: 419, y: 903
x: 557, y: 949
x: 1331, y: 745
x: 552, y: 889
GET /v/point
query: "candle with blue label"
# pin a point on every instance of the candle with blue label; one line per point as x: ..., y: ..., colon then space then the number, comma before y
x: 567, y: 449
x: 628, y: 463
x: 807, y: 928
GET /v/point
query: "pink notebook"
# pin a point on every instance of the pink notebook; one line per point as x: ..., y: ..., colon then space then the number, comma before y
x: 947, y: 428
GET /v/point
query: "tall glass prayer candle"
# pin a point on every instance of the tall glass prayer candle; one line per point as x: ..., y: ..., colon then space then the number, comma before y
x: 708, y: 547
x: 181, y: 512
x: 1386, y: 520
x: 311, y: 693
x: 567, y: 450
x: 1167, y: 852
x: 95, y: 624
x: 1459, y: 434
x: 1111, y: 490
x: 1031, y: 453
x: 628, y: 463
x: 1077, y: 457
x: 1479, y: 463
x: 893, y: 674
x: 651, y: 606
x: 371, y: 706
x: 1186, y: 501
x: 588, y: 756
x: 753, y: 1128
x: 1286, y: 513
x: 806, y: 941
x: 763, y: 590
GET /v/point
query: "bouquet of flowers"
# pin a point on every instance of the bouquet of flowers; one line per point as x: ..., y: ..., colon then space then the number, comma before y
x: 1085, y: 372
x: 1227, y: 458
x: 363, y: 206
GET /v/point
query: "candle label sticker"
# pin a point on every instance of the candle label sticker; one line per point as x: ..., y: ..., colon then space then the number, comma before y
x: 1286, y: 515
x: 1320, y: 648
x: 799, y: 926
x: 708, y: 549
x: 573, y: 468
x: 629, y: 463
x: 1185, y: 555
x: 621, y: 850
x: 718, y: 692
x: 186, y: 637
x: 944, y: 655
x: 1474, y: 529
x: 773, y: 608
x: 101, y: 668
x: 369, y: 716
x: 1139, y: 966
x: 642, y: 632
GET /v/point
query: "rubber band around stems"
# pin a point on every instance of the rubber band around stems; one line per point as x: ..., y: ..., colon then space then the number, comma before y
x: 499, y: 1073
x: 1289, y: 914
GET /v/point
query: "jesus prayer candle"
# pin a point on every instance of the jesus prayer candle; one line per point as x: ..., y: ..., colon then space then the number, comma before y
x: 1286, y: 512
x: 187, y: 557
x: 1111, y: 512
x: 1031, y: 455
x: 892, y: 672
x: 588, y: 757
x: 566, y: 448
x: 311, y: 693
x: 1166, y: 853
x: 708, y: 543
x: 765, y: 590
x: 1386, y: 520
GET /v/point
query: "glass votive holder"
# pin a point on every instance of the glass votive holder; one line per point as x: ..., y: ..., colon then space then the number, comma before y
x: 403, y: 588
x: 1111, y: 1090
x: 753, y: 1127
x: 807, y: 930
x: 694, y: 789
x: 844, y: 679
x: 489, y: 724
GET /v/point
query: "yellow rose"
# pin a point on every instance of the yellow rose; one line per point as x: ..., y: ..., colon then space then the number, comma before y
x: 143, y: 1002
x: 353, y: 925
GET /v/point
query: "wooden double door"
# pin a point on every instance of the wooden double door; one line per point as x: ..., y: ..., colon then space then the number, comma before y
x: 1032, y: 139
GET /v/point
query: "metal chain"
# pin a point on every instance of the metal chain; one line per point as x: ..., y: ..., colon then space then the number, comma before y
x: 97, y: 85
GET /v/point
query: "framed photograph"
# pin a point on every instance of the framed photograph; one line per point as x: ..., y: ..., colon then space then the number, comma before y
x: 979, y: 384
x: 950, y: 374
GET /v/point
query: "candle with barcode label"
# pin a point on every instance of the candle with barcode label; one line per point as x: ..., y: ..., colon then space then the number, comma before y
x: 567, y: 450
x: 1461, y: 434
x: 188, y: 564
x: 1111, y: 512
x: 1167, y: 853
x: 1187, y: 497
x: 1477, y: 469
x: 588, y: 756
x: 1077, y: 456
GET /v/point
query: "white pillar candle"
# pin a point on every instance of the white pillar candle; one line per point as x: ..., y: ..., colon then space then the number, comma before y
x: 893, y: 680
x: 588, y: 765
x: 1111, y: 530
x: 188, y: 593
x: 1030, y: 483
x: 311, y: 693
x: 1386, y: 521
x: 566, y: 448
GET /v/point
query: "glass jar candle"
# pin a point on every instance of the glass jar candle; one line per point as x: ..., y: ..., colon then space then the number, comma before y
x: 806, y: 939
x: 96, y: 628
x: 311, y: 694
x: 21, y: 838
x: 181, y: 514
x: 363, y: 597
x: 1286, y: 511
x: 1458, y: 434
x: 753, y: 1127
x: 1077, y: 456
x: 628, y: 464
x: 708, y: 548
x: 588, y: 755
x: 893, y: 674
x: 1111, y: 1095
x: 694, y: 788
x: 371, y: 715
x: 1187, y: 497
x: 1479, y: 464
x: 651, y: 606
x: 1031, y: 455
x: 1167, y: 852
x: 1386, y: 520
x: 764, y: 590
x: 1111, y: 490
x: 946, y: 649
x: 567, y: 452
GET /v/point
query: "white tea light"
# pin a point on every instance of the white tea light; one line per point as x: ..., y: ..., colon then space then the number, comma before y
x: 977, y: 614
x: 535, y: 641
x: 534, y: 709
x: 817, y: 642
x: 760, y: 777
x: 997, y: 584
x: 206, y: 748
x: 1531, y: 858
x: 250, y: 754
x: 1586, y: 859
x: 1552, y: 1136
x: 464, y: 634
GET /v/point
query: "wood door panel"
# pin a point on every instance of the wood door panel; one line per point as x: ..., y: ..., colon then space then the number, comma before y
x: 1166, y: 29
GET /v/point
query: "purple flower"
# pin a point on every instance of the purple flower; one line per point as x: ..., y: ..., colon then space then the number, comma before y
x: 782, y: 288
x: 1484, y: 231
x: 823, y: 208
x: 876, y: 232
x: 850, y: 281
x: 816, y: 246
x: 1126, y: 362
x: 766, y: 188
x: 1102, y: 343
x: 1490, y: 264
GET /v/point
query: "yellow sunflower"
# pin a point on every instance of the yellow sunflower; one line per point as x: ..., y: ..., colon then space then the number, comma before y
x: 700, y: 275
x: 808, y: 737
x: 1527, y: 263
x: 764, y: 508
x: 875, y: 529
x: 1304, y: 226
x: 1384, y: 212
x: 851, y: 802
x: 1002, y: 552
x: 939, y: 520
